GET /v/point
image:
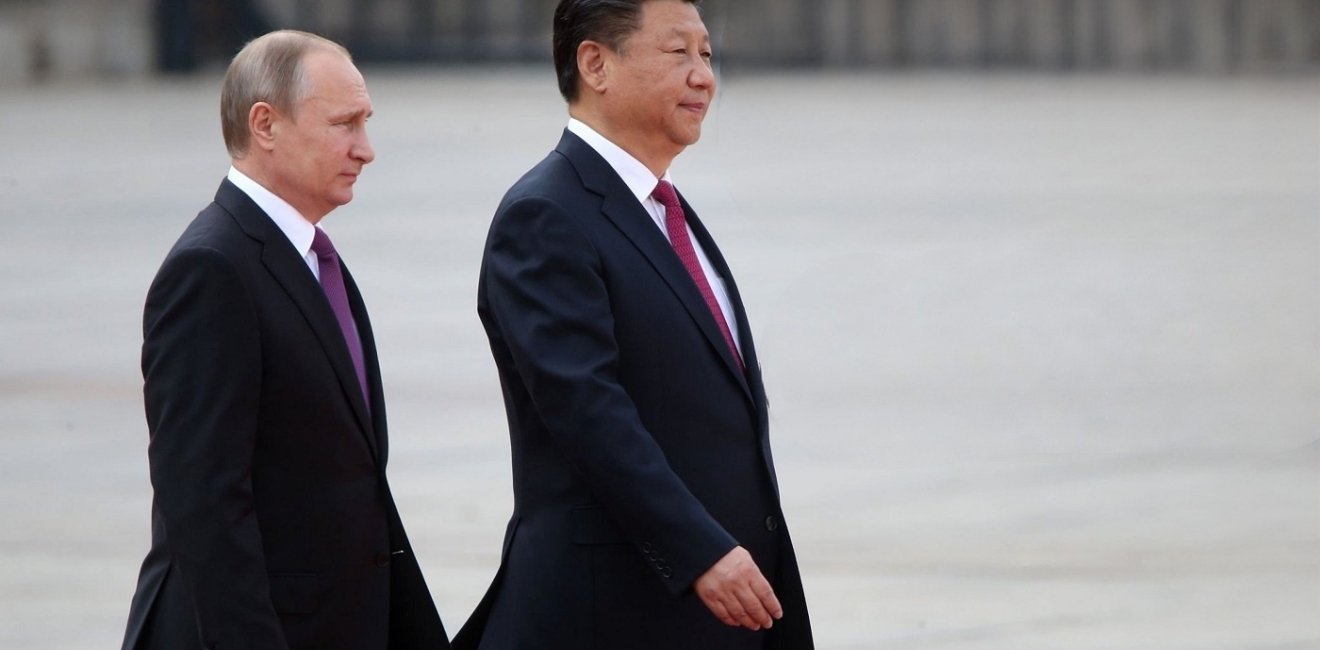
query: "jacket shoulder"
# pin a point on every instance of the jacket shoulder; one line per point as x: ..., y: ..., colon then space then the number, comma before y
x: 215, y: 228
x: 554, y: 178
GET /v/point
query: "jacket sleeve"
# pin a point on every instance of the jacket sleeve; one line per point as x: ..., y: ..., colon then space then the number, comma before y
x: 546, y: 292
x: 201, y: 362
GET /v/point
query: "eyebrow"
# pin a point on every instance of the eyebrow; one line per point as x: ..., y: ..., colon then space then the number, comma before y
x: 350, y: 115
x: 679, y: 31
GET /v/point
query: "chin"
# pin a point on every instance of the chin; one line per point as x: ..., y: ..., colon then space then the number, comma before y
x: 685, y: 137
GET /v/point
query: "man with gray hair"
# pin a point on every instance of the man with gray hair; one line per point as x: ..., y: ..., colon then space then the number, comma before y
x: 273, y: 526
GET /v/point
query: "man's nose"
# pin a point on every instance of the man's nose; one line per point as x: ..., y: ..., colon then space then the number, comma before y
x: 703, y: 76
x: 362, y: 149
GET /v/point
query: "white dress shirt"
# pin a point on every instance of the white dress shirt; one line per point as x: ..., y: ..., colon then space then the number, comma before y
x: 642, y: 182
x: 300, y: 231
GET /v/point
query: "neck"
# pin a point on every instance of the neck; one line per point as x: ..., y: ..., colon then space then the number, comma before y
x: 259, y: 173
x: 250, y: 170
x: 656, y: 159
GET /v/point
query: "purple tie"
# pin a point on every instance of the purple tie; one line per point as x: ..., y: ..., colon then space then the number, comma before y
x: 676, y: 225
x: 332, y: 283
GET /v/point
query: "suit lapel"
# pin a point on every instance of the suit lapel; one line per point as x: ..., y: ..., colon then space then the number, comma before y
x: 369, y: 357
x: 292, y: 274
x: 750, y: 360
x: 620, y: 206
x: 721, y: 268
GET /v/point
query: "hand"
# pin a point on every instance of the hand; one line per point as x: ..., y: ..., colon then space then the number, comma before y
x: 736, y: 592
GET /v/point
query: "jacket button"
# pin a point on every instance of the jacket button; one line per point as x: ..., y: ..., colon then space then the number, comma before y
x: 647, y: 548
x: 771, y: 523
x: 382, y: 559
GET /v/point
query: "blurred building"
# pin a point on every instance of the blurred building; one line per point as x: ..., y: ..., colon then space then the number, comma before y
x: 63, y: 38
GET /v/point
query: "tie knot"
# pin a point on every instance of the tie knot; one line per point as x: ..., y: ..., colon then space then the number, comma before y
x: 665, y: 194
x: 321, y: 245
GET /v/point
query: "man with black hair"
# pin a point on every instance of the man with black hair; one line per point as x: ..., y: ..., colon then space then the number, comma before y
x: 646, y: 507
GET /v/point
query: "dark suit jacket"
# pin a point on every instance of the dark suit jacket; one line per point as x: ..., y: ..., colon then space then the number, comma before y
x: 640, y: 451
x: 272, y: 523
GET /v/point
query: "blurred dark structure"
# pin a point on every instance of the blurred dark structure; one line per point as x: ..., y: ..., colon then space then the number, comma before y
x: 51, y: 39
x: 191, y: 31
x: 1193, y: 35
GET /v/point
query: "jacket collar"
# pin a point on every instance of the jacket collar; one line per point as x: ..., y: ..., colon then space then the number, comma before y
x: 621, y: 207
x: 291, y: 273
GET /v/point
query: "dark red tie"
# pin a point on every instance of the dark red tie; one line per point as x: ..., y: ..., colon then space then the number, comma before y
x: 676, y: 225
x: 332, y: 283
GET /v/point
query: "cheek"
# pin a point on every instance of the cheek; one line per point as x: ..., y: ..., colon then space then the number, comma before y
x: 342, y: 148
x: 328, y: 156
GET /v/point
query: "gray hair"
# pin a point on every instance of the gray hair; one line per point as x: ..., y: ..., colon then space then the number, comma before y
x: 268, y: 69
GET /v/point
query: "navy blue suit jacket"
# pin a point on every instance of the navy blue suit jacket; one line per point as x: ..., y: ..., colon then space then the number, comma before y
x: 641, y: 453
x: 273, y: 526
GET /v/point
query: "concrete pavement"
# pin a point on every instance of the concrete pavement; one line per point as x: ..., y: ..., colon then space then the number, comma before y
x: 1043, y: 352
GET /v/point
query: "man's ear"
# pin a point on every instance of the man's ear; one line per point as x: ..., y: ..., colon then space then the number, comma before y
x: 263, y: 125
x: 592, y: 69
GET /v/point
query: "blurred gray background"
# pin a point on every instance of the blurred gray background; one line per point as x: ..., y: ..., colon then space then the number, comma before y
x: 42, y: 39
x: 1036, y: 284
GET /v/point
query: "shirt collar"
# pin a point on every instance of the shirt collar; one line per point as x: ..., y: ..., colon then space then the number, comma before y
x: 300, y: 231
x: 635, y: 175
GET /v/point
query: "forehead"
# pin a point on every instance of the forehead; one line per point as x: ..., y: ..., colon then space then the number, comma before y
x: 666, y: 18
x: 331, y: 77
